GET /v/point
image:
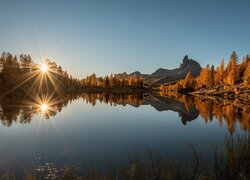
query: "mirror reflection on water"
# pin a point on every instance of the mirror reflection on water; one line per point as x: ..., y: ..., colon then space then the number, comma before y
x: 46, y: 133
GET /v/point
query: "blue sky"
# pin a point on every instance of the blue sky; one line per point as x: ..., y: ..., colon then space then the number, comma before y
x: 116, y: 36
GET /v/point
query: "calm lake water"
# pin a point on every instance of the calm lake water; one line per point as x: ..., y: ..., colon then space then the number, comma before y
x: 104, y: 128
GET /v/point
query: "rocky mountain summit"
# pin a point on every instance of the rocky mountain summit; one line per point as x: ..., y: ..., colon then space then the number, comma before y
x: 161, y: 75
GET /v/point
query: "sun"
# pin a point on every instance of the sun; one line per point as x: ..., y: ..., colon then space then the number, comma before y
x: 44, y: 68
x: 44, y: 107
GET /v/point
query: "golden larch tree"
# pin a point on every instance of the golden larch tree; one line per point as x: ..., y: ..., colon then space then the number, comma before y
x: 246, y: 77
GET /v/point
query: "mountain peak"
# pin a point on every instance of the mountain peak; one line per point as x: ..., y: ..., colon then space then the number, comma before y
x: 161, y: 75
x: 188, y: 62
x: 185, y: 58
x: 136, y: 73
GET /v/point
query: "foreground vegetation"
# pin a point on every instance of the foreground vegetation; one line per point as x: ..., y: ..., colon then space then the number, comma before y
x: 233, y: 164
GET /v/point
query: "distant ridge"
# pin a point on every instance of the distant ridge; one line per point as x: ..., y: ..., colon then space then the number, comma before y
x: 161, y: 75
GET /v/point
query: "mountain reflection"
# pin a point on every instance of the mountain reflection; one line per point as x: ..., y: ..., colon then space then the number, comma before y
x: 182, y: 104
x: 15, y: 109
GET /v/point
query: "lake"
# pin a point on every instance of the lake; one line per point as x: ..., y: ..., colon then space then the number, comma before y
x: 84, y: 128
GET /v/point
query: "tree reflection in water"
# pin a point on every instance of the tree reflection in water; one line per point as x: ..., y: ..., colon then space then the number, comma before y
x: 21, y: 109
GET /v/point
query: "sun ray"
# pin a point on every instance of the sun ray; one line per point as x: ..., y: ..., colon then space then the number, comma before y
x: 37, y: 81
x: 17, y: 86
x: 54, y: 85
x: 44, y: 76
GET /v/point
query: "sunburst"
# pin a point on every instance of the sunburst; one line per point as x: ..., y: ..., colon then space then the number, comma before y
x: 44, y: 68
x: 44, y: 107
x: 42, y: 74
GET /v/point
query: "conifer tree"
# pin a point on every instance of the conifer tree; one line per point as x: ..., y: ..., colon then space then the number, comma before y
x: 246, y: 77
x: 232, y: 69
x: 220, y: 73
x: 211, y: 76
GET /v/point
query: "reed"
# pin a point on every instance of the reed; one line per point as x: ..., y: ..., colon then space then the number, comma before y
x: 233, y: 164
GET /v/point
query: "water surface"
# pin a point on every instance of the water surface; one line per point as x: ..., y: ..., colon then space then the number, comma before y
x: 83, y: 128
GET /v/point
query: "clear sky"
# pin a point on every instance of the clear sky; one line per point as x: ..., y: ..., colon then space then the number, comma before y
x: 116, y: 36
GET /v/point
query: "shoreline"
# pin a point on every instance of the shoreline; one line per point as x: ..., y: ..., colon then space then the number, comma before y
x: 230, y: 92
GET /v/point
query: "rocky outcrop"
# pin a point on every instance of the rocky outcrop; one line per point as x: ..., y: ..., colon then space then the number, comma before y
x: 189, y: 65
x: 162, y: 76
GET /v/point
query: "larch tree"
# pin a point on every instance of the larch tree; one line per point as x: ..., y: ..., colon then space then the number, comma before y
x: 243, y: 66
x: 220, y: 73
x: 107, y: 83
x: 246, y: 77
x: 123, y: 81
x: 232, y: 76
x: 206, y: 78
x: 116, y: 81
x: 202, y: 80
x: 188, y: 82
x: 141, y: 82
x: 216, y: 76
x: 232, y: 69
x: 211, y: 76
x: 93, y: 79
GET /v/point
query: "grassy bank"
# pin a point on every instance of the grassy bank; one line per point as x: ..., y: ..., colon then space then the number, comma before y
x: 234, y: 163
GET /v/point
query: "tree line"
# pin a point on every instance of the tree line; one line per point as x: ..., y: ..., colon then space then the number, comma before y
x: 111, y: 81
x: 21, y: 73
x: 234, y: 73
